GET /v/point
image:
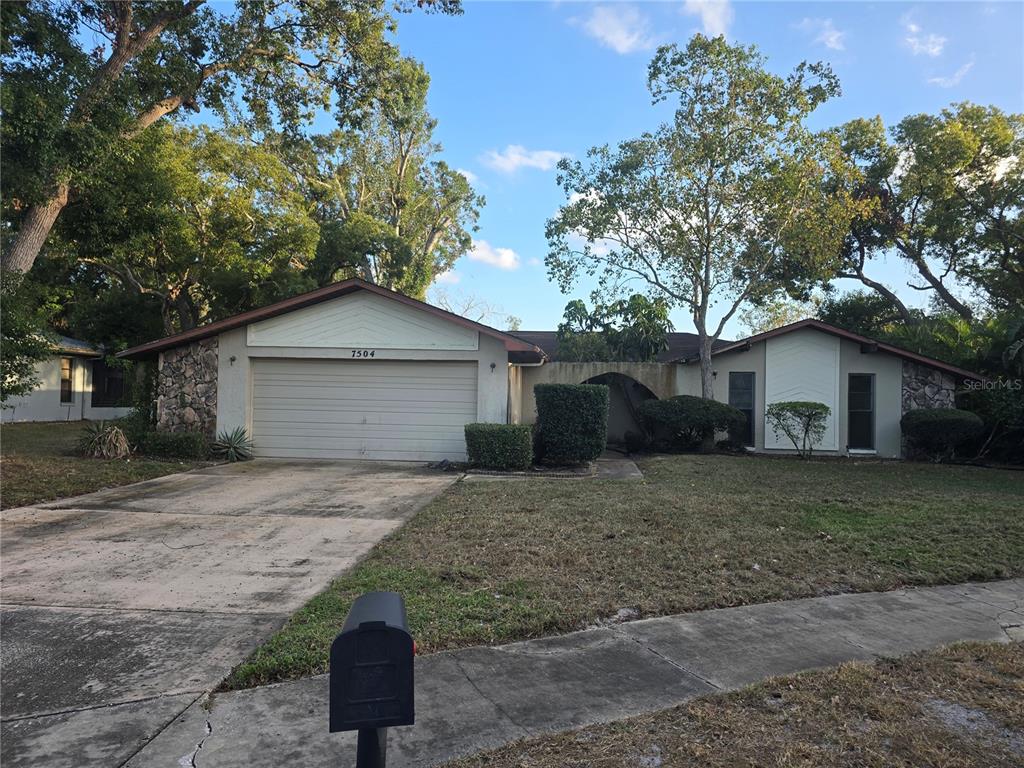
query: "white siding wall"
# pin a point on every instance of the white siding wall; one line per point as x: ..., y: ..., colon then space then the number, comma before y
x: 803, y: 365
x: 43, y: 404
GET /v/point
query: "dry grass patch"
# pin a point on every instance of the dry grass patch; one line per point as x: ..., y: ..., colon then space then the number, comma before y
x: 39, y: 462
x: 960, y: 707
x: 496, y: 561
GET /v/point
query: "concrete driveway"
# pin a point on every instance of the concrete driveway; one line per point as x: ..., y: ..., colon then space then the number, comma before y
x: 120, y: 608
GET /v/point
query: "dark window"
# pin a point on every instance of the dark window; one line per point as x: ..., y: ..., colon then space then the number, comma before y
x: 67, y: 386
x: 107, y: 385
x: 741, y: 396
x: 861, y: 409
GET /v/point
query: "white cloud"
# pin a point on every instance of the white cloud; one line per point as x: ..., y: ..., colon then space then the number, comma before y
x: 954, y: 79
x: 620, y: 27
x: 824, y: 32
x: 502, y: 258
x: 516, y: 156
x: 448, y: 278
x: 919, y: 41
x: 715, y: 15
x: 471, y: 177
x: 533, y: 261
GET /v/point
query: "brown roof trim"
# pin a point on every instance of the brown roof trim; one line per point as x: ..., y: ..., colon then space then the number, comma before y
x: 881, y: 346
x: 335, y: 290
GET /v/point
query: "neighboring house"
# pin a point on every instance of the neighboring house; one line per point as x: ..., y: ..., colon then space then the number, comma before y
x: 353, y: 370
x: 867, y: 384
x: 75, y: 384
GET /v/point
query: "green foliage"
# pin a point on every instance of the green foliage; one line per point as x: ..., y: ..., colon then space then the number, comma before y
x: 937, y: 432
x: 1000, y: 404
x: 726, y: 202
x: 686, y: 421
x: 572, y: 420
x: 174, y: 445
x: 70, y: 102
x: 391, y: 211
x: 101, y: 440
x: 865, y: 312
x: 804, y: 423
x: 944, y: 193
x: 500, y: 446
x: 24, y: 340
x: 633, y: 329
x: 233, y: 446
x: 203, y: 224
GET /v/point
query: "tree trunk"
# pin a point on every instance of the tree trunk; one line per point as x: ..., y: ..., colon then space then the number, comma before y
x: 707, y: 382
x: 34, y: 230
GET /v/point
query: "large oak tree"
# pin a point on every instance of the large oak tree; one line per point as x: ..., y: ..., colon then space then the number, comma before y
x: 83, y: 78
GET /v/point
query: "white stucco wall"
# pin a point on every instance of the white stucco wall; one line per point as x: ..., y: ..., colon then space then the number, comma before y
x: 888, y: 386
x: 44, y: 404
x: 347, y: 328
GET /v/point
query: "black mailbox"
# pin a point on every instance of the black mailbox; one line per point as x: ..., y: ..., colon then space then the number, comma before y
x: 372, y: 666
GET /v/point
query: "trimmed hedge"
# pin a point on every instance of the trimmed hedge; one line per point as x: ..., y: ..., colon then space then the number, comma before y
x: 572, y: 420
x: 174, y: 445
x: 685, y: 420
x: 499, y: 446
x: 936, y: 432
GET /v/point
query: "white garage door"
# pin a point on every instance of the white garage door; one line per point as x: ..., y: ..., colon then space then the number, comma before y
x: 373, y: 409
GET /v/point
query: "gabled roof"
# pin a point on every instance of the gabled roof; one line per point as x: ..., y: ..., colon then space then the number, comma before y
x: 65, y: 345
x: 842, y: 333
x: 518, y: 349
x: 680, y: 345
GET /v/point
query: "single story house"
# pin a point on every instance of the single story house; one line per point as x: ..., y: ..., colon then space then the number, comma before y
x: 348, y: 371
x: 867, y: 384
x: 355, y: 371
x: 74, y: 384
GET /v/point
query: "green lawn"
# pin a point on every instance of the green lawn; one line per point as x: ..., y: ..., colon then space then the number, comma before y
x: 495, y: 561
x: 960, y: 707
x: 38, y: 462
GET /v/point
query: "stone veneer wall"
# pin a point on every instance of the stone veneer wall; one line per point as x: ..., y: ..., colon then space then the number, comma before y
x: 925, y: 387
x: 187, y: 388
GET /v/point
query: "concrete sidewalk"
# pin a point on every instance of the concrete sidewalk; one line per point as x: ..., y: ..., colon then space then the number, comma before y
x: 482, y: 697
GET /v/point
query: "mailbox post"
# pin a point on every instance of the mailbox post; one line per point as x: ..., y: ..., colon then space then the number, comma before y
x: 371, y: 681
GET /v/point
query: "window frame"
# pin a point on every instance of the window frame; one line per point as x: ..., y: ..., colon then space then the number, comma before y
x: 873, y: 411
x: 751, y: 422
x: 68, y: 397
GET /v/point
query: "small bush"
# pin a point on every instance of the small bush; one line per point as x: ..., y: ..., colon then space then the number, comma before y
x: 684, y: 421
x: 175, y: 445
x: 803, y: 422
x: 233, y: 446
x: 573, y: 421
x: 936, y: 432
x: 137, y: 424
x: 104, y: 441
x: 499, y: 446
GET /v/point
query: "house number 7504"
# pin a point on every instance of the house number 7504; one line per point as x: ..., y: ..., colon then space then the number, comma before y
x: 363, y: 352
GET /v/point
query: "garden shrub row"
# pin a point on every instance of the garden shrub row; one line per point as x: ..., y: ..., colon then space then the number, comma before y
x: 173, y: 445
x: 684, y: 421
x: 500, y: 446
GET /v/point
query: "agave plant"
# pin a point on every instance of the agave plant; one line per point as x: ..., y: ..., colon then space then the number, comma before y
x: 104, y: 441
x: 234, y: 445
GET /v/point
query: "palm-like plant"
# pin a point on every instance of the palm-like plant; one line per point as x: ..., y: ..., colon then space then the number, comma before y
x: 234, y: 445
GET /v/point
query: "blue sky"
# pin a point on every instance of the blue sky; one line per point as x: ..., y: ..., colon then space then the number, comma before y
x: 514, y: 85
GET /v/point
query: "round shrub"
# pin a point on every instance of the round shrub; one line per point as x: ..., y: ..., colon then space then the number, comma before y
x: 499, y: 446
x: 572, y: 421
x: 936, y: 432
x: 685, y: 421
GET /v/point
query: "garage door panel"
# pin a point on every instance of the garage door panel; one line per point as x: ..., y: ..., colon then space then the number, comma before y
x: 398, y: 410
